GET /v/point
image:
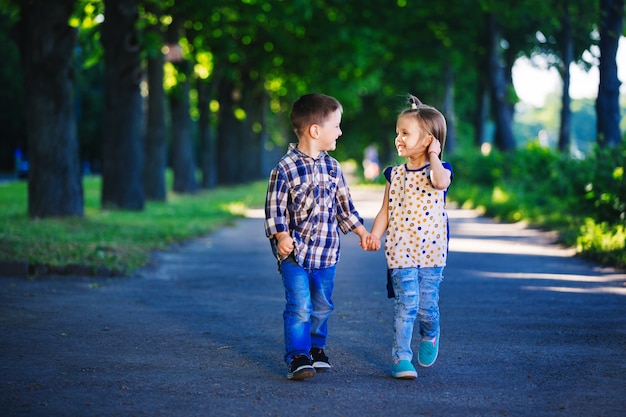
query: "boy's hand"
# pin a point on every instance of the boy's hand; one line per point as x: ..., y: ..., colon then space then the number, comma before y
x: 284, y: 244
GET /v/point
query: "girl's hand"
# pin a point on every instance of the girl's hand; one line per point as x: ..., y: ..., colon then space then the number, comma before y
x: 375, y: 242
x: 434, y: 147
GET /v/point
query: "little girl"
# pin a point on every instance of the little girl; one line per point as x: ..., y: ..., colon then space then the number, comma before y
x: 416, y: 244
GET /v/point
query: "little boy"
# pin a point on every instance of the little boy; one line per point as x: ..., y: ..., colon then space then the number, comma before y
x: 307, y: 203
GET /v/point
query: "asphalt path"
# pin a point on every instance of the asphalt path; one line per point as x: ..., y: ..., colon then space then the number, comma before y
x: 527, y: 330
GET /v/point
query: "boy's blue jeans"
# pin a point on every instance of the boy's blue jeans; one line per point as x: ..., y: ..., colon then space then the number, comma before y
x: 308, y: 305
x: 416, y: 296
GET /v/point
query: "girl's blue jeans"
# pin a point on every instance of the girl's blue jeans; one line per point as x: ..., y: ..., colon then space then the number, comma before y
x: 416, y: 297
x: 308, y: 295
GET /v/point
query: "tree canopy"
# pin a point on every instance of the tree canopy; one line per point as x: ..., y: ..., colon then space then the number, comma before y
x: 229, y: 71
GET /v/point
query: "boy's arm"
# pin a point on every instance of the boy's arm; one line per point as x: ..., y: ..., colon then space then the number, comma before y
x: 276, y: 223
x: 348, y: 218
x: 380, y: 222
x: 361, y: 231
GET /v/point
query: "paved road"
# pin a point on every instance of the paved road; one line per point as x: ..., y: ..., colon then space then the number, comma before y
x: 527, y: 330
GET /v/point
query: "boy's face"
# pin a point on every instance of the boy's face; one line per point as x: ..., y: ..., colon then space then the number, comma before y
x: 329, y: 132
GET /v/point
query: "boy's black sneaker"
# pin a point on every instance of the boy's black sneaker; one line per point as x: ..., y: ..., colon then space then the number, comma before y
x: 320, y: 360
x: 301, y: 368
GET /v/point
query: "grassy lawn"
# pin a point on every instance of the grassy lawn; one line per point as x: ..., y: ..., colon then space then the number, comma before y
x: 116, y: 242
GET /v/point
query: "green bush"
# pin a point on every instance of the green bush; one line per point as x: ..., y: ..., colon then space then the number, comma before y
x: 583, y: 199
x: 602, y: 242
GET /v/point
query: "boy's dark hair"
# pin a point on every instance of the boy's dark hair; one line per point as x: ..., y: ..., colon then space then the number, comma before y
x: 429, y: 118
x: 311, y: 109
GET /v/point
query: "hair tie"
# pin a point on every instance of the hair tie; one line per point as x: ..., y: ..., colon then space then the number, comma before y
x: 414, y: 101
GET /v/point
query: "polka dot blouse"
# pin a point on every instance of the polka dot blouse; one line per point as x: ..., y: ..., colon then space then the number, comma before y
x: 417, y: 228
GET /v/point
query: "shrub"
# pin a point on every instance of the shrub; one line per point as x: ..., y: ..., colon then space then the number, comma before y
x: 583, y: 199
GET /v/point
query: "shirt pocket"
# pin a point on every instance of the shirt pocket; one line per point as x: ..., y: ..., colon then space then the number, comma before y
x: 330, y: 190
x: 302, y: 201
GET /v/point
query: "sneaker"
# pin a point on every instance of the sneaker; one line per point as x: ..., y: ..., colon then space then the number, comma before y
x: 403, y: 370
x: 429, y: 349
x: 320, y: 360
x: 301, y: 368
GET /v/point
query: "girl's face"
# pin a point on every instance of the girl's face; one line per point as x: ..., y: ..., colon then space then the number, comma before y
x: 411, y: 140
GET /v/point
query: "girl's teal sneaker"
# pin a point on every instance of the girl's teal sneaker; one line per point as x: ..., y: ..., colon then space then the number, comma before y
x: 429, y: 349
x: 403, y: 370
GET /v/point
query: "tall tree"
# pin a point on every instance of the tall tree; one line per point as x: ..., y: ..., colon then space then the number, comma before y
x: 228, y: 133
x: 123, y: 154
x: 46, y: 43
x: 607, y: 104
x: 12, y: 120
x: 183, y: 152
x: 500, y: 100
x: 155, y: 146
x: 567, y: 57
x: 563, y: 33
x: 206, y: 134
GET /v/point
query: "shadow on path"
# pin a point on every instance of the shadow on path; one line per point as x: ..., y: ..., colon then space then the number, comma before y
x: 527, y: 330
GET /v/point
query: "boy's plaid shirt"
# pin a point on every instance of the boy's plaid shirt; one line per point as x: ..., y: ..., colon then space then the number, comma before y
x: 309, y: 199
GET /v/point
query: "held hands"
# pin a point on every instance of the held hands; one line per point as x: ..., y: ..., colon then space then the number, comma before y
x: 369, y: 242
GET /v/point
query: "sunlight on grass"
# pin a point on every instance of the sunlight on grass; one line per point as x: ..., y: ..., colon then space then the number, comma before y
x: 599, y: 240
x: 499, y: 196
x: 115, y: 240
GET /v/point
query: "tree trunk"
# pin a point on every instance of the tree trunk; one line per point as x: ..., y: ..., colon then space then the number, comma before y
x: 183, y: 155
x: 253, y: 102
x: 122, y: 161
x: 228, y: 141
x: 448, y: 109
x: 482, y: 112
x: 154, y: 145
x: 607, y: 103
x: 567, y: 56
x: 500, y: 104
x: 206, y: 136
x: 46, y: 44
x: 268, y: 150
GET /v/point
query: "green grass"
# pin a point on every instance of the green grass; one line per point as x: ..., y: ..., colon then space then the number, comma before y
x: 117, y: 242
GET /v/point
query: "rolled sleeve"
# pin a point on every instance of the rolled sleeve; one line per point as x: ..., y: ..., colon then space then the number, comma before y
x: 276, y: 220
x: 347, y: 216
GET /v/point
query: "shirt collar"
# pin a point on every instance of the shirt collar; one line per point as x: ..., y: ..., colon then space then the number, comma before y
x: 293, y: 147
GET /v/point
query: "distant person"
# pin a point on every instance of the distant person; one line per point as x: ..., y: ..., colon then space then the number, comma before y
x: 371, y: 166
x: 307, y: 203
x: 414, y: 215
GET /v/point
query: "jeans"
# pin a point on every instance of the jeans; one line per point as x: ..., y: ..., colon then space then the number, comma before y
x: 308, y: 305
x: 416, y: 296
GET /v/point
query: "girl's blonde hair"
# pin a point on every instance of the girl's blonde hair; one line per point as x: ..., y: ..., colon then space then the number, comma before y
x: 429, y: 118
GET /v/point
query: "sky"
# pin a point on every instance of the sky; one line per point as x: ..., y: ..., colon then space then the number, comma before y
x: 533, y: 84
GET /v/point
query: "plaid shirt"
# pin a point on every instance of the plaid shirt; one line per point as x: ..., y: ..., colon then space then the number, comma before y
x: 309, y: 199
